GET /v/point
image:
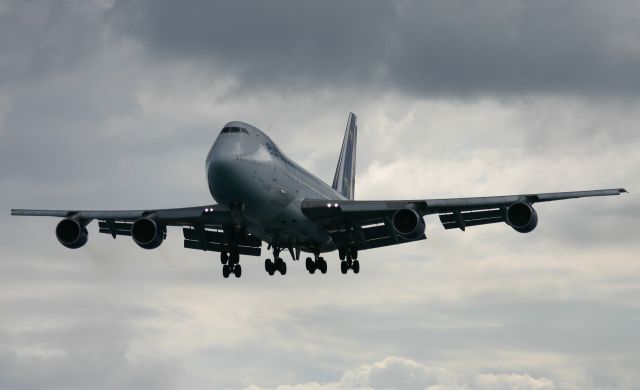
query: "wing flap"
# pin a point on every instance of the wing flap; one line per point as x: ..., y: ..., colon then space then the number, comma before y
x: 115, y: 228
x: 217, y: 247
x: 371, y: 235
x: 217, y: 241
x: 461, y: 220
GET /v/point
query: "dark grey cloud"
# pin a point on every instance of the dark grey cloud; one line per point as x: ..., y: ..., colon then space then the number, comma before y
x: 453, y: 48
x: 114, y: 106
x: 40, y: 39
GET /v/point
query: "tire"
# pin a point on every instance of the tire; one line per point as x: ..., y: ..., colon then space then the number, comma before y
x: 225, y: 271
x: 224, y: 257
x: 282, y: 267
x: 356, y: 266
x: 234, y: 258
x: 237, y: 270
x: 344, y: 267
x: 354, y: 253
x: 342, y: 253
x: 309, y: 264
x: 323, y: 265
x: 269, y: 267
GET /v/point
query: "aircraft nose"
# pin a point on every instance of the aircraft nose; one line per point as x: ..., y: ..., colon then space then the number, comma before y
x: 222, y: 176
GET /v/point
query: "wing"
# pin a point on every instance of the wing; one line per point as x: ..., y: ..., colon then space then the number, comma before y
x: 213, y: 214
x: 370, y: 224
x: 208, y: 227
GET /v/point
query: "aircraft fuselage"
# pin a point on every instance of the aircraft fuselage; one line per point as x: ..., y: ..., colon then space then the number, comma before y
x: 246, y: 169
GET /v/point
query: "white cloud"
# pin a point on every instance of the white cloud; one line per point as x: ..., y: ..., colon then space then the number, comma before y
x: 401, y: 373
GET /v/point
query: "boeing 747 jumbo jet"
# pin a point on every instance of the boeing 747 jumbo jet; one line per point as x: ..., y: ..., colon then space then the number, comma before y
x: 262, y: 195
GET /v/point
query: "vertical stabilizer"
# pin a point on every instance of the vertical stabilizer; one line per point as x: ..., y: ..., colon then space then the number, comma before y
x: 344, y: 180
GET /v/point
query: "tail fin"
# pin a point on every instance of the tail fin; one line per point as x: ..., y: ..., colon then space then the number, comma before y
x: 344, y: 180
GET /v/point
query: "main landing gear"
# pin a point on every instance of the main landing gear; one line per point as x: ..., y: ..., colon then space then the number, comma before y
x: 318, y: 264
x: 231, y: 264
x: 349, y: 257
x: 276, y: 265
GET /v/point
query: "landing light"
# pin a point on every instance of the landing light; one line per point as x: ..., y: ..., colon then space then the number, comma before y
x: 328, y: 204
x: 335, y: 205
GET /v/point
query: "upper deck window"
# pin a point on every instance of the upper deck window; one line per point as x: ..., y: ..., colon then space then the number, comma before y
x: 234, y: 129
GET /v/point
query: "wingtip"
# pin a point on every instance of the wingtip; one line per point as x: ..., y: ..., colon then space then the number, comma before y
x: 623, y: 191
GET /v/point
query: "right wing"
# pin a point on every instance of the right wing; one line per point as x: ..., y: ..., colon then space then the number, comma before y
x: 209, y: 227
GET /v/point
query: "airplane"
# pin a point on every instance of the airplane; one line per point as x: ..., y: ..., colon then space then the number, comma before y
x: 263, y: 196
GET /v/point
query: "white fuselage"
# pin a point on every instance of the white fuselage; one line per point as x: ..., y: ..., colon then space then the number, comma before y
x: 246, y: 170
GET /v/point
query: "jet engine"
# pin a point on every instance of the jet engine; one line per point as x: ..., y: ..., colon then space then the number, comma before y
x: 71, y: 233
x: 521, y: 217
x: 147, y: 233
x: 408, y: 223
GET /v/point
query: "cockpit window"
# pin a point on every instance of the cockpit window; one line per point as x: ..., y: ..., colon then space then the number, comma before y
x: 234, y: 129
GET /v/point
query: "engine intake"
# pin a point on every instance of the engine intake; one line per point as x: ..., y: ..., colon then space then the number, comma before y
x: 522, y: 217
x: 71, y: 233
x: 147, y: 233
x: 408, y: 223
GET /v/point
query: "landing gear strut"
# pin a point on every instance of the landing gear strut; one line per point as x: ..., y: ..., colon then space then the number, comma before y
x: 231, y: 265
x: 276, y: 265
x: 318, y: 264
x: 349, y: 257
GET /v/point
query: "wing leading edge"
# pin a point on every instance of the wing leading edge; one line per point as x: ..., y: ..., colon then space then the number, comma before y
x: 212, y: 214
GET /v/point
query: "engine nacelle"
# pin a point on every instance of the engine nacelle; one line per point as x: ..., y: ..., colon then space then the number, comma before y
x: 71, y: 233
x: 522, y: 217
x: 147, y: 233
x: 408, y: 223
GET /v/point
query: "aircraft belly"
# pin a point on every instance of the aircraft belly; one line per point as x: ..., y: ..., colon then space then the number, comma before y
x: 291, y: 227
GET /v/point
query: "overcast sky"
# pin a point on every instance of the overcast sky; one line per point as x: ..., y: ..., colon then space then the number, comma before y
x: 114, y: 104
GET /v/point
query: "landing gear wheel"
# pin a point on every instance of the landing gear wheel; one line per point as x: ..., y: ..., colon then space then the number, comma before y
x: 355, y: 266
x: 224, y: 257
x: 354, y: 254
x: 226, y: 270
x: 310, y: 265
x: 280, y: 266
x: 322, y: 265
x: 344, y: 267
x: 234, y: 258
x: 237, y: 270
x: 342, y: 253
x: 269, y: 267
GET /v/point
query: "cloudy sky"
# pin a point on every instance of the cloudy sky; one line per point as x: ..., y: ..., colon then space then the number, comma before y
x: 114, y: 104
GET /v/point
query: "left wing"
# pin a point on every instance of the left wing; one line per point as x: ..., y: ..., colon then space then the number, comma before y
x: 371, y: 224
x: 207, y: 227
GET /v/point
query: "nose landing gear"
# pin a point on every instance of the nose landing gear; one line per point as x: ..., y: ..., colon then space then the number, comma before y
x: 276, y: 265
x: 319, y: 264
